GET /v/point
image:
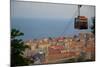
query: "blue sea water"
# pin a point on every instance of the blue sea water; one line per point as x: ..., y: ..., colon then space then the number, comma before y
x: 40, y: 28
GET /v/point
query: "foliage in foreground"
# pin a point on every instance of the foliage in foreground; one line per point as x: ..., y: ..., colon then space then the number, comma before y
x: 17, y: 49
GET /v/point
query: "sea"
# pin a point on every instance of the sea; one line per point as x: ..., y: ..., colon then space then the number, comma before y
x: 35, y: 28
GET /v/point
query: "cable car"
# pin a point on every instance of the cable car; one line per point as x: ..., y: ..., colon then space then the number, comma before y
x: 81, y: 22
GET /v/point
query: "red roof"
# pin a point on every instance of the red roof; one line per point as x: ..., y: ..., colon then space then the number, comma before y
x: 60, y: 38
x: 57, y: 47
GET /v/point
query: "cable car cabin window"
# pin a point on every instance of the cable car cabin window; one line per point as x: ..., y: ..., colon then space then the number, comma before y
x: 81, y: 22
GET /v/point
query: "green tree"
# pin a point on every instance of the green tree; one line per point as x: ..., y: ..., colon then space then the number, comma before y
x: 93, y: 26
x: 17, y: 49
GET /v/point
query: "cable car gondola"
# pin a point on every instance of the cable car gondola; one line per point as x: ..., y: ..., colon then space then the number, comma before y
x: 81, y: 22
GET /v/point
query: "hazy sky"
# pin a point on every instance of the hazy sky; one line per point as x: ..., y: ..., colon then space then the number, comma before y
x: 37, y: 19
x: 48, y: 10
